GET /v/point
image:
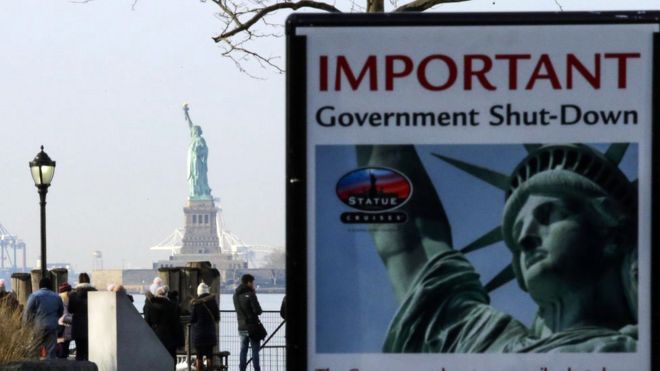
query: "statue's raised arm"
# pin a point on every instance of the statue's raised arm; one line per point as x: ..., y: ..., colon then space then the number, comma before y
x: 186, y: 108
x: 404, y: 251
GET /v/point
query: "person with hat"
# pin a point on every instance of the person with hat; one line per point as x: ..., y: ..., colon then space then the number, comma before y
x: 78, y: 308
x: 570, y: 222
x: 64, y: 323
x: 158, y: 282
x: 44, y: 308
x: 162, y: 316
x: 204, y: 314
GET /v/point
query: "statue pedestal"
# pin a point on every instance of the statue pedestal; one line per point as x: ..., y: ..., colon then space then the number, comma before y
x: 200, y: 235
x: 201, y: 241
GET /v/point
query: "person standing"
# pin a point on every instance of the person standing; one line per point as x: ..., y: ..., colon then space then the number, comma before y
x: 158, y: 282
x: 64, y: 323
x: 203, y: 317
x: 78, y: 307
x: 162, y: 316
x: 248, y: 310
x: 44, y: 307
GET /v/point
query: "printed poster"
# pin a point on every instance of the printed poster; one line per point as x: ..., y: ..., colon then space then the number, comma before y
x: 478, y: 196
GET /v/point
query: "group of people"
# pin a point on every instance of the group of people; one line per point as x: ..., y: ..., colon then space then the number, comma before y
x: 60, y: 318
x: 162, y: 313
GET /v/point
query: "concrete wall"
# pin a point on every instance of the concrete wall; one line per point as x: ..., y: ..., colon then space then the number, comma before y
x: 120, y: 339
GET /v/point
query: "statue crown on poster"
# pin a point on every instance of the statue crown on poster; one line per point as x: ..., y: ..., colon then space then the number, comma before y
x: 570, y: 221
x: 197, y: 162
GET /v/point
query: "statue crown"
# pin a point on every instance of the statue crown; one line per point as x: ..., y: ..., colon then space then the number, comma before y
x: 582, y: 160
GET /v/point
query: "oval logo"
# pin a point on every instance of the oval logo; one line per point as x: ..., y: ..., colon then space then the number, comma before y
x: 374, y: 189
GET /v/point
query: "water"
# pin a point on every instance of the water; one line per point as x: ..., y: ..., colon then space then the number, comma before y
x: 267, y: 301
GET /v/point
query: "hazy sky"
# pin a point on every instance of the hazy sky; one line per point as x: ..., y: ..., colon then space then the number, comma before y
x: 101, y: 86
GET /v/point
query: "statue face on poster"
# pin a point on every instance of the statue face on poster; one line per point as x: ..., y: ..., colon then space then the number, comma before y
x: 558, y: 245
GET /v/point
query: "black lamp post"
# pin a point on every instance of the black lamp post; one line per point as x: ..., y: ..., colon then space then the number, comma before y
x: 43, y: 169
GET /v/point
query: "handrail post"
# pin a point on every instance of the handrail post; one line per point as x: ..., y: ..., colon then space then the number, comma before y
x: 188, y: 348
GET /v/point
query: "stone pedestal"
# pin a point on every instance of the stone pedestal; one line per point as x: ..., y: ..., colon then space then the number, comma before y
x: 21, y: 283
x: 187, y: 279
x: 200, y: 235
x: 36, y: 277
x: 211, y: 276
x: 59, y: 275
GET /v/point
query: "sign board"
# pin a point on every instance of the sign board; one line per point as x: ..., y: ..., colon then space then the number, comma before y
x: 472, y: 191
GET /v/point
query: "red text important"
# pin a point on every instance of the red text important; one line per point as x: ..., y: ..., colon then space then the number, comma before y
x: 439, y: 72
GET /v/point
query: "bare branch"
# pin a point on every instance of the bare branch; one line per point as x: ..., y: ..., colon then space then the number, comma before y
x: 269, y: 9
x: 561, y: 9
x: 231, y: 13
x: 239, y: 55
x: 422, y: 5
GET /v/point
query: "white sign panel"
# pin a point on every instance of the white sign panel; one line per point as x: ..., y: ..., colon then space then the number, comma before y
x: 477, y: 192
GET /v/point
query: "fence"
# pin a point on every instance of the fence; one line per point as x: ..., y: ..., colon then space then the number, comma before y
x: 272, y: 355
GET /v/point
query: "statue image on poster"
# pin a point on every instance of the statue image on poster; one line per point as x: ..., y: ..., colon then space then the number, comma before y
x: 568, y: 221
x: 198, y: 154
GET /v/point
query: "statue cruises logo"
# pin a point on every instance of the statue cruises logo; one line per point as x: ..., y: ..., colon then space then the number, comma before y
x: 375, y: 191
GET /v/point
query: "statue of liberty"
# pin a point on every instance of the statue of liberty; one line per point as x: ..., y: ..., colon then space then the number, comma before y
x: 570, y: 221
x: 197, y: 162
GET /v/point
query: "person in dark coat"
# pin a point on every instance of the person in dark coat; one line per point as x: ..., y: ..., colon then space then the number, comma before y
x: 78, y: 308
x: 162, y: 316
x: 173, y: 295
x: 204, y: 315
x: 248, y: 310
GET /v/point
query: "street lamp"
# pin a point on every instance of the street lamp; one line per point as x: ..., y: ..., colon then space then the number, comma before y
x: 43, y: 169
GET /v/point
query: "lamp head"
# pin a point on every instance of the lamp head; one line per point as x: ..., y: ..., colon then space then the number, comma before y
x: 42, y: 168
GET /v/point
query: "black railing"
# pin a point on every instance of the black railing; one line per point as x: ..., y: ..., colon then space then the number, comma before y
x: 273, y: 352
x: 272, y: 355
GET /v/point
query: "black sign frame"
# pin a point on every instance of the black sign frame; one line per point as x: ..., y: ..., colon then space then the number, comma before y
x: 296, y: 142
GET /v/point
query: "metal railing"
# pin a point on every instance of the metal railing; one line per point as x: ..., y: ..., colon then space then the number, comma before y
x: 273, y: 350
x: 272, y: 354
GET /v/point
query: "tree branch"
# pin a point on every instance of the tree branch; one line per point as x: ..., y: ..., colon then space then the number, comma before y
x: 271, y: 8
x: 422, y: 5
